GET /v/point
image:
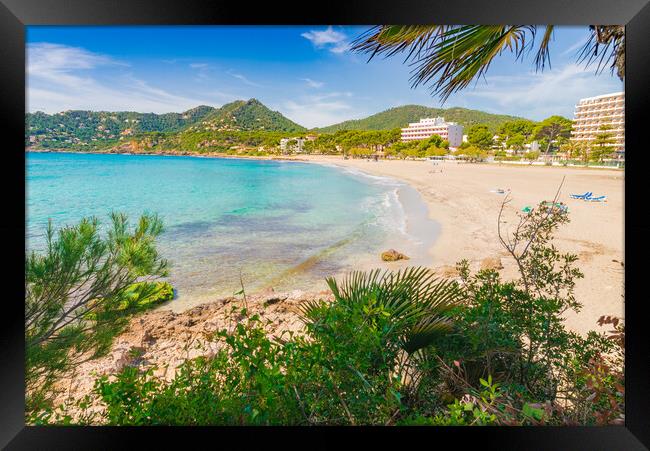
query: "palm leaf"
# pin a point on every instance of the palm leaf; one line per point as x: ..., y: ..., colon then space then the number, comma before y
x: 606, y: 43
x: 453, y: 55
x: 392, y: 39
x: 450, y: 57
x: 464, y: 54
x: 543, y: 55
x: 417, y: 300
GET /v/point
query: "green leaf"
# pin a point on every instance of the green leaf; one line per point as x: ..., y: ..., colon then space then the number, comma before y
x: 533, y: 412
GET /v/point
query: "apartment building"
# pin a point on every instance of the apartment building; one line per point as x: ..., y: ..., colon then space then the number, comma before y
x: 428, y: 127
x: 593, y: 112
x: 291, y: 144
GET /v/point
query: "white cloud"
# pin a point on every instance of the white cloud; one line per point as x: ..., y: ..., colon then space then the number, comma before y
x: 244, y: 79
x: 321, y: 110
x: 63, y: 78
x: 542, y: 94
x: 334, y: 41
x: 328, y: 95
x: 341, y: 47
x: 313, y: 83
x: 45, y: 57
x: 201, y: 70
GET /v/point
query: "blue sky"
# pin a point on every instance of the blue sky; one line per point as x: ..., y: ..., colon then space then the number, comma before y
x: 305, y: 72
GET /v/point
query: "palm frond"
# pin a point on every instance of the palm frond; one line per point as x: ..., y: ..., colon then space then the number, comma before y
x: 417, y: 300
x: 453, y: 55
x: 392, y: 39
x: 464, y: 54
x: 543, y: 56
x: 307, y: 309
x: 606, y: 44
x: 425, y: 332
x: 450, y: 57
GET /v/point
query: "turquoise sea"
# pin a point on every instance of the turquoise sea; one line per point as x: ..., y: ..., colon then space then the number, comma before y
x: 280, y: 224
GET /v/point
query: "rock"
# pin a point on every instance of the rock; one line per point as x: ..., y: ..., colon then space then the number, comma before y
x: 125, y: 356
x: 148, y: 338
x: 273, y: 300
x: 392, y: 255
x: 195, y: 352
x: 211, y: 326
x: 493, y: 263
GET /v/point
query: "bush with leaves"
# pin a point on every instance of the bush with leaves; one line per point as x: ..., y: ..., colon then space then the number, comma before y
x: 514, y: 331
x: 74, y: 287
x: 255, y: 380
x: 358, y: 363
x: 487, y: 406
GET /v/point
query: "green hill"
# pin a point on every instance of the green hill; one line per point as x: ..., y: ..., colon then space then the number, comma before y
x: 399, y: 117
x: 99, y: 128
x: 222, y: 126
x: 76, y: 127
x: 250, y: 115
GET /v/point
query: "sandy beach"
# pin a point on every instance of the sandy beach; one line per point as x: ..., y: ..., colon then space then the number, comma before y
x: 461, y: 200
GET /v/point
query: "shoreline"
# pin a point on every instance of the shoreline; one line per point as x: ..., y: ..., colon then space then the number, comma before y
x: 460, y: 201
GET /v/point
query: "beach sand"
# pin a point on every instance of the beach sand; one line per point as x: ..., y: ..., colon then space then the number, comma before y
x: 461, y: 200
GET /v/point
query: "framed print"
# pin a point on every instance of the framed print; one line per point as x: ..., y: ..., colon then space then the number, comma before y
x: 418, y: 218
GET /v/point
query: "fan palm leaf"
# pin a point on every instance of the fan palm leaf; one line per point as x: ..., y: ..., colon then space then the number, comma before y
x: 417, y: 301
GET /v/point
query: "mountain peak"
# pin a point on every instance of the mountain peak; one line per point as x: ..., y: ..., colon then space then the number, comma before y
x: 246, y: 115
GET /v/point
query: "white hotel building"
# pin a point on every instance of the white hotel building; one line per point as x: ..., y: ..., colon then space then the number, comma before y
x: 593, y: 112
x: 428, y: 127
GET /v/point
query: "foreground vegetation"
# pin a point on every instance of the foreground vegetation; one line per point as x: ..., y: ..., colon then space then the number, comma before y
x: 80, y: 293
x: 399, y: 348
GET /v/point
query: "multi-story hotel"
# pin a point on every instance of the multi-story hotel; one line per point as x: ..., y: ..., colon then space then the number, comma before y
x: 428, y: 127
x: 593, y: 112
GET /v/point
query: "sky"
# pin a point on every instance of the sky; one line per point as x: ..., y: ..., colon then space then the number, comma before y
x: 307, y: 73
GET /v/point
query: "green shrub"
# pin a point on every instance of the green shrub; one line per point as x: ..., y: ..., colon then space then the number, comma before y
x: 70, y: 287
x: 143, y: 295
x: 356, y: 365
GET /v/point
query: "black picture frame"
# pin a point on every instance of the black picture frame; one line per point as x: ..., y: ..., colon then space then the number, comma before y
x: 16, y: 14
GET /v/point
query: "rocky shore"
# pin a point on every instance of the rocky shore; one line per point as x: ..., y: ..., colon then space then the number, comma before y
x: 162, y: 339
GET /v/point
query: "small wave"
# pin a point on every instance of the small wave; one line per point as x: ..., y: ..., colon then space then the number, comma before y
x: 401, y: 216
x: 376, y: 179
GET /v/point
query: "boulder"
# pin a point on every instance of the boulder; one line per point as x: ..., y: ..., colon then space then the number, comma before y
x: 392, y: 255
x: 493, y: 263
